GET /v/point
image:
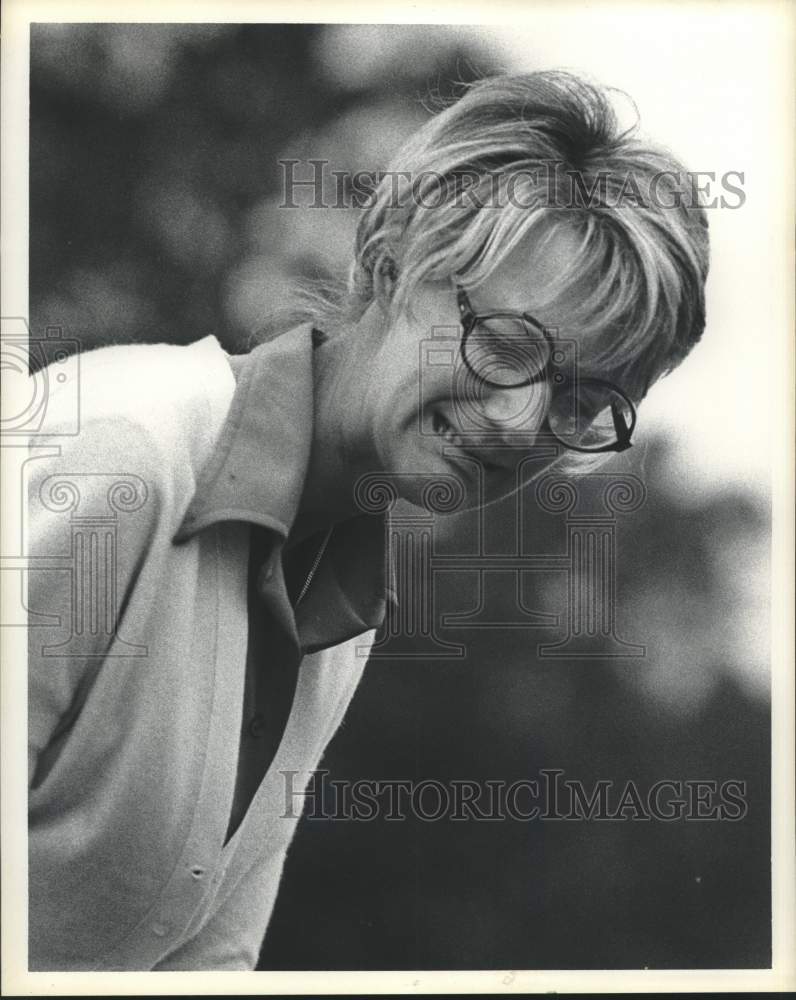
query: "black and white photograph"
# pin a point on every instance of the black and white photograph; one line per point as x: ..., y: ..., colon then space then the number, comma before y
x: 397, y: 451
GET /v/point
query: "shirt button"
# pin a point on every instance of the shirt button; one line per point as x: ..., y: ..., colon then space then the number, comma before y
x: 160, y: 929
x: 257, y: 725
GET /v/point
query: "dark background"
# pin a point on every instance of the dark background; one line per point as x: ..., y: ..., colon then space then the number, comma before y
x: 154, y: 216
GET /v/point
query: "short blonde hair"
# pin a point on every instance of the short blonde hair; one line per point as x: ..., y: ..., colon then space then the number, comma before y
x: 532, y: 152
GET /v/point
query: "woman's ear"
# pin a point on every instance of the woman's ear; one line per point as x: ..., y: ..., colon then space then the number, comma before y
x: 377, y: 274
x: 387, y: 274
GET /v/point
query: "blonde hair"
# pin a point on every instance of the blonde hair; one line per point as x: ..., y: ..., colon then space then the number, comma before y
x: 552, y: 141
x: 529, y: 153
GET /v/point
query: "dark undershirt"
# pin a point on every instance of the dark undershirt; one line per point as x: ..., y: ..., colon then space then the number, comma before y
x: 272, y: 661
x: 272, y: 665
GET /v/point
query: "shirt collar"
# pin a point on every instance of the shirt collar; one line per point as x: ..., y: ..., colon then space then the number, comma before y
x: 256, y: 475
x: 257, y: 470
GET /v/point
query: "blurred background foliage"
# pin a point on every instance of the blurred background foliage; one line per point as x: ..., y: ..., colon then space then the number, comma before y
x: 154, y: 216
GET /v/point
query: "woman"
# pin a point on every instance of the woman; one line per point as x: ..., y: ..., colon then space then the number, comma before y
x: 213, y: 582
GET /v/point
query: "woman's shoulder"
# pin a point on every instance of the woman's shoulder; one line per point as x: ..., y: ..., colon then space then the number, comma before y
x: 155, y: 381
x: 171, y: 399
x: 154, y: 374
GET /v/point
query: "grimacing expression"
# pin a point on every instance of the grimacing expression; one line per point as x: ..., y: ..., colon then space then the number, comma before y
x: 422, y: 414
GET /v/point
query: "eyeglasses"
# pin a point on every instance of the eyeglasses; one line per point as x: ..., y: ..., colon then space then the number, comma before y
x: 508, y: 350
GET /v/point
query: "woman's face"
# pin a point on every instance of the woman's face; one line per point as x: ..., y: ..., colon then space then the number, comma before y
x: 409, y: 408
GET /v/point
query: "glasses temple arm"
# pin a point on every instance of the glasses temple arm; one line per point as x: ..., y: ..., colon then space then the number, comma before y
x: 622, y: 429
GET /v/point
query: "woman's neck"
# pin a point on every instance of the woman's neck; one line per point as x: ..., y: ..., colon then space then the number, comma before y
x: 333, y: 469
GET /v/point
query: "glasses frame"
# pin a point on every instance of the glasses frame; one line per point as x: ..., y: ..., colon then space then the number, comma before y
x: 468, y: 320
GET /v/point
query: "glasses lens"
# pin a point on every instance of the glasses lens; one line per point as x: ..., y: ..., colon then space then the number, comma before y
x: 503, y: 351
x: 590, y: 416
